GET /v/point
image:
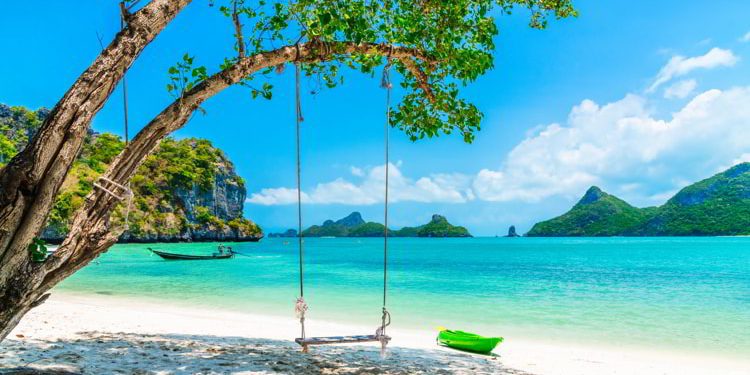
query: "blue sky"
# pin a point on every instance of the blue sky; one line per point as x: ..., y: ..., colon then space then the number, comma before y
x: 639, y: 98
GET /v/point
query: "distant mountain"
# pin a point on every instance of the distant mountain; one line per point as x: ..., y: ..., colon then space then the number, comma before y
x: 437, y: 227
x: 338, y: 228
x: 354, y: 226
x: 719, y: 205
x: 287, y: 233
x: 596, y: 214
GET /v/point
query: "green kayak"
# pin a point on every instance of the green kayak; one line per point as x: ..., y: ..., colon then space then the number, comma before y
x: 467, y: 341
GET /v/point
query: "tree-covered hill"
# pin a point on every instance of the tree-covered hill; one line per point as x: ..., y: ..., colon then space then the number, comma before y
x: 719, y: 205
x: 354, y: 226
x: 596, y: 214
x: 186, y: 191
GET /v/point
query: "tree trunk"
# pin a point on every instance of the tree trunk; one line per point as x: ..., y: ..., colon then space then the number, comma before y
x: 30, y: 182
x: 90, y: 233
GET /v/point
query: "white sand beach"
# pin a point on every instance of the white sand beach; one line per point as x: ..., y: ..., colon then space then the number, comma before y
x: 105, y: 334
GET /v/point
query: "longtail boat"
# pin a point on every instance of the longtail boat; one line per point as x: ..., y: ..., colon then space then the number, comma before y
x: 174, y: 256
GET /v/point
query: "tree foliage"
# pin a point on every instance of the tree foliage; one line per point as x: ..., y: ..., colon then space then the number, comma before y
x: 454, y: 41
x: 17, y: 126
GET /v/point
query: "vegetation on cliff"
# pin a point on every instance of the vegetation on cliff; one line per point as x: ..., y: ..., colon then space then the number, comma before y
x: 186, y: 190
x: 719, y: 205
x: 596, y: 214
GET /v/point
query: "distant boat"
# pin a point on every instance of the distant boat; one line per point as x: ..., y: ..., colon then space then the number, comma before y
x: 327, y: 236
x: 173, y: 256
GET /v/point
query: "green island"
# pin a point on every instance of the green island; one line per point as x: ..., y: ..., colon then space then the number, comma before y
x: 354, y: 225
x: 716, y: 206
x: 185, y: 191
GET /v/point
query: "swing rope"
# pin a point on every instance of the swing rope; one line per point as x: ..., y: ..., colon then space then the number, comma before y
x: 106, y: 185
x: 386, y: 84
x: 127, y: 138
x: 301, y: 306
x: 124, y: 91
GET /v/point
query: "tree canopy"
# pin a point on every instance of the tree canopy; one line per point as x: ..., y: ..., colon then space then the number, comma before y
x: 449, y: 44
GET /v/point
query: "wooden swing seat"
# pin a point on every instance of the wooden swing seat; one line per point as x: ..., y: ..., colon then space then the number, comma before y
x: 307, y: 341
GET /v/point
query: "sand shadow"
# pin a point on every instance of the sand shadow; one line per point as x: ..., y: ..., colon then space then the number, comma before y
x: 129, y: 353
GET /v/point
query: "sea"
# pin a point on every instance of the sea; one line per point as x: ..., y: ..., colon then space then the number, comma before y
x: 685, y: 294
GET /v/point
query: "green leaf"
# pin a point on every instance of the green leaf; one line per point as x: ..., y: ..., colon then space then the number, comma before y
x: 325, y: 18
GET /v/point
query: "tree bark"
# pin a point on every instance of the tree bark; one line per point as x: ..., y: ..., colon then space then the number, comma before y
x: 91, y: 233
x: 31, y: 180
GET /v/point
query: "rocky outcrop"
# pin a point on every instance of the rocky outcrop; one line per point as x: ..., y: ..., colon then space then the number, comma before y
x: 207, y: 207
x: 512, y: 232
x: 187, y: 190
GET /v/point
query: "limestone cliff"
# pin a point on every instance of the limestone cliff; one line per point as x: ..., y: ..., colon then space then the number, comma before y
x: 187, y: 190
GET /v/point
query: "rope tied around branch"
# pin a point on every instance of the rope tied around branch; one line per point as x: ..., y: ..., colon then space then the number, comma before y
x: 109, y: 187
x: 385, y: 81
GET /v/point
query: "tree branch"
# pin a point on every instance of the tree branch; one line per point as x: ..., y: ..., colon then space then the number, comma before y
x: 422, y: 78
x: 90, y: 231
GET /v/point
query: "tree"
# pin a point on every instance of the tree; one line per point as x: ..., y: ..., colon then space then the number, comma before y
x: 435, y: 46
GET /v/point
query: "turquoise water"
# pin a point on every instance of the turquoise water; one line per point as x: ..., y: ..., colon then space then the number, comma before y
x: 678, y: 293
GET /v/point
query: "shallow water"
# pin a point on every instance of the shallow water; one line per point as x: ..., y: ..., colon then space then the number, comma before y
x: 672, y: 293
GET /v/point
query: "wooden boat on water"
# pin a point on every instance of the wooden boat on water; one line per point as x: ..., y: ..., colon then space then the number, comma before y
x: 175, y: 256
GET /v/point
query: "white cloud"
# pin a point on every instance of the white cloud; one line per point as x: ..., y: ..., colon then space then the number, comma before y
x: 681, y: 65
x: 357, y: 171
x: 745, y: 38
x: 624, y: 147
x: 445, y: 188
x: 680, y: 89
x: 274, y: 196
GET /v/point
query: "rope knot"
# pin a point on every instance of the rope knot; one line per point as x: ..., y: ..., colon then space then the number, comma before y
x: 300, y: 308
x: 380, y: 332
x: 385, y: 82
x: 321, y: 48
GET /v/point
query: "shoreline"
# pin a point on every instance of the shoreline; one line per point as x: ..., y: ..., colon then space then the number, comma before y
x: 70, y: 320
x: 171, y: 240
